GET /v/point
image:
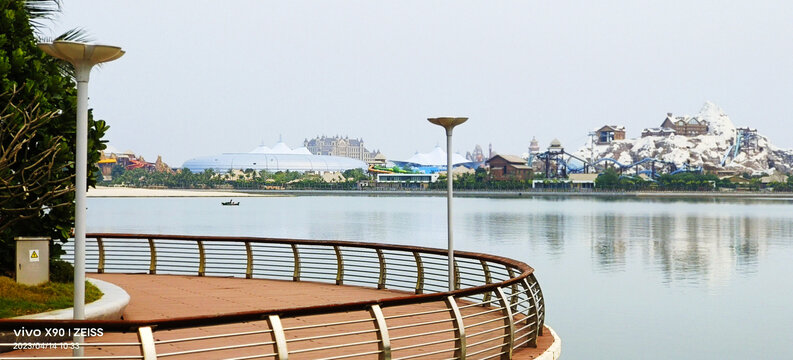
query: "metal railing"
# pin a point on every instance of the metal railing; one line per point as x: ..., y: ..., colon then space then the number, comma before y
x: 497, y: 306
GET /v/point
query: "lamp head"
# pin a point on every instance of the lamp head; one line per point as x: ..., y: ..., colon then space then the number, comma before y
x: 448, y: 123
x: 78, y: 52
x: 82, y: 55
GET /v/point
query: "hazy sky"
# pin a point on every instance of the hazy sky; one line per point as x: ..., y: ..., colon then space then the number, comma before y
x: 206, y: 77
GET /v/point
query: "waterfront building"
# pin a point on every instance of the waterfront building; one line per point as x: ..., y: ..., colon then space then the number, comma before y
x: 583, y: 181
x: 378, y: 160
x: 574, y: 181
x: 680, y: 125
x: 278, y: 158
x: 406, y: 181
x: 339, y: 146
x: 609, y: 133
x: 508, y: 167
x: 111, y: 158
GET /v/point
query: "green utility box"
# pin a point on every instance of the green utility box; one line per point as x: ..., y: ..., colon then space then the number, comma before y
x: 33, y: 260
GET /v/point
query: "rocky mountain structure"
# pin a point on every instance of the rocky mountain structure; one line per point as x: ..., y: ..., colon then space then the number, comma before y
x: 722, y: 148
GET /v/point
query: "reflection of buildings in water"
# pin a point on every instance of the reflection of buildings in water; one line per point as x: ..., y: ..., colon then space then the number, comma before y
x: 554, y: 227
x: 685, y: 247
x: 539, y: 231
x: 608, y: 242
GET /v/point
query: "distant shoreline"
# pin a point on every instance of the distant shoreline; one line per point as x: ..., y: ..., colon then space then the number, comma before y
x: 123, y: 192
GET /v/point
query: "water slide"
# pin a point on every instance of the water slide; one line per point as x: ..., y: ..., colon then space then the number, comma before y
x: 734, y: 149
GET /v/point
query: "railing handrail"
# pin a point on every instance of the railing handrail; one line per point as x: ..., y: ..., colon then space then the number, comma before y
x: 228, y: 318
x: 457, y: 253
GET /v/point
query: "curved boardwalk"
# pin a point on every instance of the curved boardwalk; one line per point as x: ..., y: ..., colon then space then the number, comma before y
x: 171, y: 296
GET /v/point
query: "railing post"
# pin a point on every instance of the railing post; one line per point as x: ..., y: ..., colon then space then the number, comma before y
x: 381, y: 260
x: 202, y: 259
x: 382, y: 332
x: 514, y: 290
x: 509, y: 331
x: 296, y: 255
x: 339, y: 265
x: 249, y: 266
x: 488, y: 280
x: 459, y: 332
x: 419, y: 273
x: 279, y: 336
x: 100, y: 267
x: 152, y: 258
x: 147, y: 347
x: 541, y: 303
x: 533, y: 315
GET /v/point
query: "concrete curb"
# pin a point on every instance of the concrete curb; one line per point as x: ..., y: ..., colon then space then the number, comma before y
x: 555, y: 350
x: 109, y: 307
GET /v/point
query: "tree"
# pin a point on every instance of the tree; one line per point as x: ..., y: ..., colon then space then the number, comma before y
x: 609, y: 179
x: 36, y: 183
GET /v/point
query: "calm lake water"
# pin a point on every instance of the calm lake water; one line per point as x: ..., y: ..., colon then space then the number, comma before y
x: 623, y: 279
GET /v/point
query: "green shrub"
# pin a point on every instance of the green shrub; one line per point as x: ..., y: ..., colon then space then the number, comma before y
x: 61, y: 271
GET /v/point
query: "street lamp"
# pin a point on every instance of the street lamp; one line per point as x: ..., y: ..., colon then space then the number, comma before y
x: 83, y: 56
x: 449, y: 123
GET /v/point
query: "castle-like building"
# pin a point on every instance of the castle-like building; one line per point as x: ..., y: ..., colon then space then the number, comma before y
x: 340, y: 146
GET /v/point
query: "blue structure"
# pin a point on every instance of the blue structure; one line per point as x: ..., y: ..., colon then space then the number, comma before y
x: 435, y: 161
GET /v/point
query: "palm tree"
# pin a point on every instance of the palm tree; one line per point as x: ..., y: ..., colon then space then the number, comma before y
x: 42, y: 12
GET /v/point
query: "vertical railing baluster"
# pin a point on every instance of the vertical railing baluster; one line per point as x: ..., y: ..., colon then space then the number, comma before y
x: 419, y: 272
x: 509, y: 333
x: 384, y: 344
x: 459, y: 332
x: 202, y: 259
x: 296, y: 255
x: 278, y: 336
x: 152, y: 257
x: 249, y: 265
x: 381, y: 260
x: 488, y: 280
x: 541, y: 301
x: 533, y: 315
x: 514, y: 290
x: 339, y: 265
x: 147, y: 347
x: 100, y: 266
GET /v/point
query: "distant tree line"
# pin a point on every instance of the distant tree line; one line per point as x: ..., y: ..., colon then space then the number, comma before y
x: 609, y: 180
x: 687, y: 181
x: 248, y: 179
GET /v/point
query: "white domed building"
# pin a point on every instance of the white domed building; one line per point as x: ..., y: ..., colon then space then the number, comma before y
x: 278, y: 158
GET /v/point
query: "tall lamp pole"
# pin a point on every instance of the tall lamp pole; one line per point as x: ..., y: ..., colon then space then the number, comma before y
x: 449, y: 123
x: 83, y: 56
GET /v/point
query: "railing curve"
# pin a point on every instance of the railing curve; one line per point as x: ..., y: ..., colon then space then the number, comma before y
x: 498, y: 307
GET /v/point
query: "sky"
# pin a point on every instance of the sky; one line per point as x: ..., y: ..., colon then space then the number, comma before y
x: 208, y: 77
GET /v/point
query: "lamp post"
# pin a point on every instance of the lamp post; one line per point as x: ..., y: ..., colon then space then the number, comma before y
x: 449, y: 123
x: 83, y: 56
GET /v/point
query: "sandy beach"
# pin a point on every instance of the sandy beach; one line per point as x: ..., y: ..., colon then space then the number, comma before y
x: 102, y: 191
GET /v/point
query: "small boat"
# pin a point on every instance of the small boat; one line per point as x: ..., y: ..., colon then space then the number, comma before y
x: 230, y: 203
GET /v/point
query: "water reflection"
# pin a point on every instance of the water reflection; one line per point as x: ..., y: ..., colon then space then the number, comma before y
x: 688, y: 249
x: 689, y: 242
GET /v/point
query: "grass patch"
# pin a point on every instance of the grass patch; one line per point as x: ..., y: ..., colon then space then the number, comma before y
x: 18, y: 300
